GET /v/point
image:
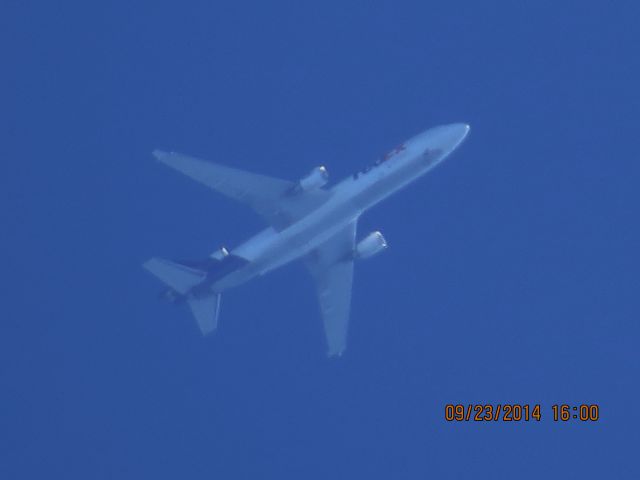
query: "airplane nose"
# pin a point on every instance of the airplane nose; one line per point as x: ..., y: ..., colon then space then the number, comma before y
x: 452, y: 135
x: 463, y: 128
x: 445, y: 137
x: 448, y: 137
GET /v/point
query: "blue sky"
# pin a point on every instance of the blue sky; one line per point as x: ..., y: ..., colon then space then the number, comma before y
x: 511, y: 276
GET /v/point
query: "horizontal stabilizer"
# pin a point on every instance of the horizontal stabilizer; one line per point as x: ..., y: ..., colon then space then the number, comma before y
x: 206, y: 310
x: 179, y: 277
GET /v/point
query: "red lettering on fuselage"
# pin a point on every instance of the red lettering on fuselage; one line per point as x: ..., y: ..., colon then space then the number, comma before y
x: 395, y: 151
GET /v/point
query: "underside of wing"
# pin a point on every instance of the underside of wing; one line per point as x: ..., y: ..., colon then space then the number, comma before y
x: 331, y: 266
x: 277, y: 201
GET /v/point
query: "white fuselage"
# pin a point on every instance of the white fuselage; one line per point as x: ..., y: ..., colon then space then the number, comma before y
x: 348, y: 199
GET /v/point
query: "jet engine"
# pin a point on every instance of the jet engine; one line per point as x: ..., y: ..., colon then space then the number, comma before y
x: 317, y: 178
x: 220, y: 253
x: 371, y: 245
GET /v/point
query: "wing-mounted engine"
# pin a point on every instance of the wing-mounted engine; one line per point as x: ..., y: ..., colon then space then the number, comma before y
x: 317, y: 178
x: 371, y: 245
x: 220, y: 254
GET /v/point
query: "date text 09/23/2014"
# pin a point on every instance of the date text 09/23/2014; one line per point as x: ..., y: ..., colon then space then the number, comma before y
x: 514, y: 412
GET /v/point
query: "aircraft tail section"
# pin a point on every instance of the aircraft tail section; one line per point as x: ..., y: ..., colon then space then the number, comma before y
x: 205, y: 310
x: 179, y: 277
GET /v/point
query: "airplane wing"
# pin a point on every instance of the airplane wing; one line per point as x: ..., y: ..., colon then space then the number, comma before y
x: 271, y: 198
x: 331, y: 266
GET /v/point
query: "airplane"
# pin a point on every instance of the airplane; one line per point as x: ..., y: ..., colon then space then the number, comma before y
x: 306, y: 221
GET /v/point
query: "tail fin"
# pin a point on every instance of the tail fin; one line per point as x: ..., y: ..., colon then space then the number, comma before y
x: 206, y: 310
x: 182, y: 279
x: 179, y: 277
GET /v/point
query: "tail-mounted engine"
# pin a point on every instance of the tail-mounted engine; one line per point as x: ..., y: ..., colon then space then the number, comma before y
x: 371, y: 245
x: 317, y: 178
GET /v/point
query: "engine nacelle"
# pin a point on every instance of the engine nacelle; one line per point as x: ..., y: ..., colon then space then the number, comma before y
x: 220, y: 254
x: 371, y: 245
x: 318, y: 178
